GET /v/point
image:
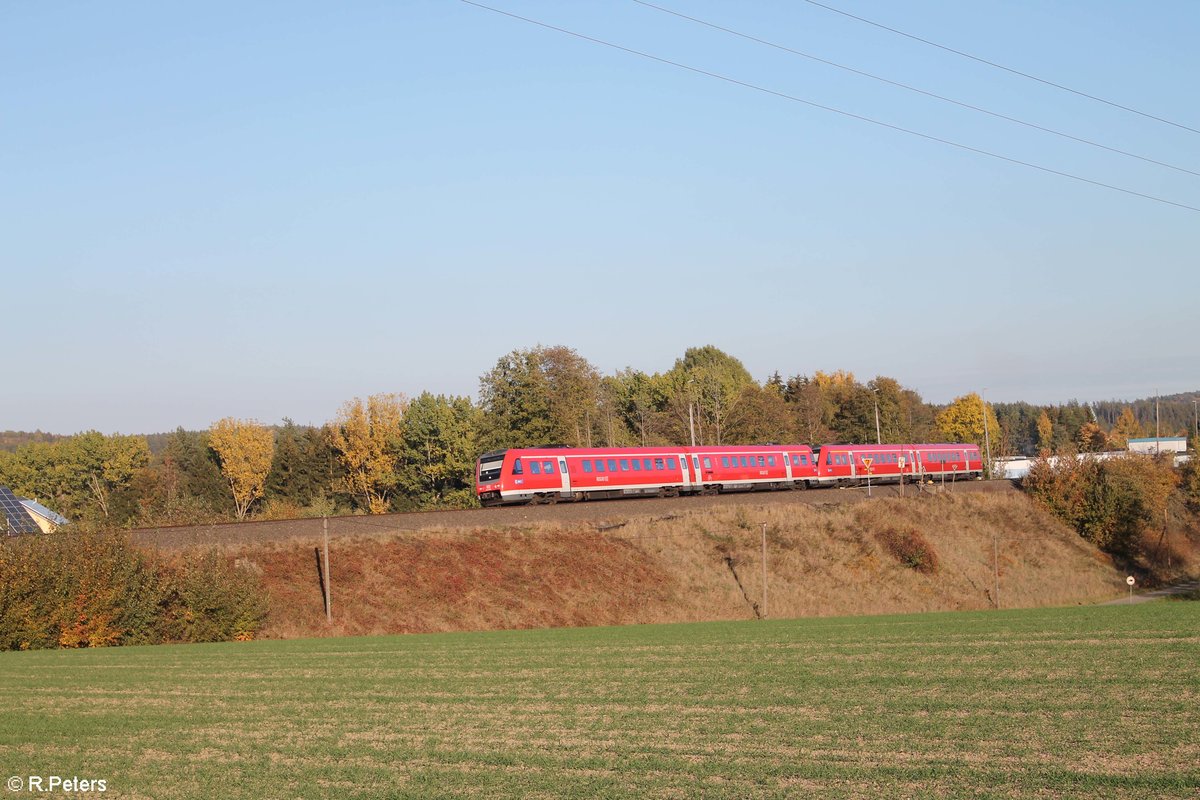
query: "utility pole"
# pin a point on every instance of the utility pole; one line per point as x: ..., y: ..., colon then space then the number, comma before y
x: 328, y: 607
x: 691, y: 418
x: 1157, y: 443
x: 996, y: 569
x: 987, y: 439
x: 878, y: 438
x: 764, y: 569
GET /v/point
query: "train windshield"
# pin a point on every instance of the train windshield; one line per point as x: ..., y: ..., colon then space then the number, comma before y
x: 489, y: 467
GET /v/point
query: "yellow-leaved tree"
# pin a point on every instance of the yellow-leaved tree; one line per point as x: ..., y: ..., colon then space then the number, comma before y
x: 1045, y: 432
x: 367, y: 438
x: 1126, y: 428
x: 245, y: 449
x: 962, y: 421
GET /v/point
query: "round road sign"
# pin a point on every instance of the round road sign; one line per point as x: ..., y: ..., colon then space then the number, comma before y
x: 1130, y: 580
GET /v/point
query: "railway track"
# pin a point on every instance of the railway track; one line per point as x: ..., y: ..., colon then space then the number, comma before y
x: 598, y: 513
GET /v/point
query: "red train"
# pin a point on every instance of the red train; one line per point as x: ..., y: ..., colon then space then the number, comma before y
x: 550, y: 474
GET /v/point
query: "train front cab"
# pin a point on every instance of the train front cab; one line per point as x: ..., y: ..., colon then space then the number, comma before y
x: 488, y: 471
x: 521, y: 476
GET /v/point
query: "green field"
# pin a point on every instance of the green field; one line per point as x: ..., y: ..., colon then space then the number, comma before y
x: 1085, y: 702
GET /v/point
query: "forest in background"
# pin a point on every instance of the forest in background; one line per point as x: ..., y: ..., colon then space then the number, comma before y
x: 389, y: 452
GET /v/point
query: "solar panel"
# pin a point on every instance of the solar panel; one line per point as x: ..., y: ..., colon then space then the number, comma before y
x: 16, y: 518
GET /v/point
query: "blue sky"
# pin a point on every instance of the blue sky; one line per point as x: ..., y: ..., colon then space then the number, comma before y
x: 264, y: 210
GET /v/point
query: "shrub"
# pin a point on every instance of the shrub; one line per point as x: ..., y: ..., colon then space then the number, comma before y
x: 1109, y: 502
x: 910, y: 548
x: 207, y: 599
x: 96, y: 590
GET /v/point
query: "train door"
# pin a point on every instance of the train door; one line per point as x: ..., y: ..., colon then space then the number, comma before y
x: 566, y: 478
x: 787, y: 463
x: 683, y: 462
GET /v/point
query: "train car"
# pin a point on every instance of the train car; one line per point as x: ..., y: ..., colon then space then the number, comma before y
x: 951, y: 461
x: 551, y: 474
x: 747, y: 468
x: 547, y: 475
x: 850, y: 464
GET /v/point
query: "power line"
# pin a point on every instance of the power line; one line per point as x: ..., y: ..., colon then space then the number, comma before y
x: 918, y: 90
x: 1001, y: 66
x: 859, y: 117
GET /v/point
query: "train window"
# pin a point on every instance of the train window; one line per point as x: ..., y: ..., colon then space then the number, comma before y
x: 724, y: 461
x: 770, y: 461
x: 587, y: 465
x: 535, y: 468
x: 599, y: 465
x: 517, y: 468
x: 803, y: 459
x: 612, y: 465
x: 742, y: 460
x: 637, y: 465
x: 646, y: 464
x: 707, y: 462
x: 671, y: 463
x: 624, y: 465
x: 828, y: 459
x: 762, y: 461
x: 695, y: 463
x: 548, y: 467
x: 658, y: 463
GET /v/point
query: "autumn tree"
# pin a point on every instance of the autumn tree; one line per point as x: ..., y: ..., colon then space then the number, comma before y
x: 1091, y: 438
x: 1045, y: 433
x: 439, y: 445
x: 245, y: 450
x: 1110, y: 502
x: 1125, y: 428
x: 963, y: 421
x: 367, y: 440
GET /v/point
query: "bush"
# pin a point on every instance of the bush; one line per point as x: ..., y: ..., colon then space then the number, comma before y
x: 910, y: 548
x: 96, y: 590
x: 1109, y: 502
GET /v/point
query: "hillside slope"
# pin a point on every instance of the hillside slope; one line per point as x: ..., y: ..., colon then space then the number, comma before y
x: 927, y: 553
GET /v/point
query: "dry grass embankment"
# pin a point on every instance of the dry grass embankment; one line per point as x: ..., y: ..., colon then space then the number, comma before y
x: 891, y: 555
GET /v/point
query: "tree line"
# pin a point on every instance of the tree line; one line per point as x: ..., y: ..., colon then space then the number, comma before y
x: 389, y: 452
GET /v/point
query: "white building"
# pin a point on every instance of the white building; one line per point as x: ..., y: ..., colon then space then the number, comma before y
x: 1158, y: 444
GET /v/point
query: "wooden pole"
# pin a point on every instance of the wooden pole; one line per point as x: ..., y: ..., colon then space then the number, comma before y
x: 764, y: 568
x: 328, y: 607
x: 996, y: 570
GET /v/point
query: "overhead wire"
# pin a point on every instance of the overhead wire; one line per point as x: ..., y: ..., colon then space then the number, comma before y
x: 1001, y: 66
x: 915, y: 89
x: 842, y: 112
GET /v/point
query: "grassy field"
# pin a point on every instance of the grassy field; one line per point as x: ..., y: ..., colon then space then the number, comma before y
x: 1082, y: 702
